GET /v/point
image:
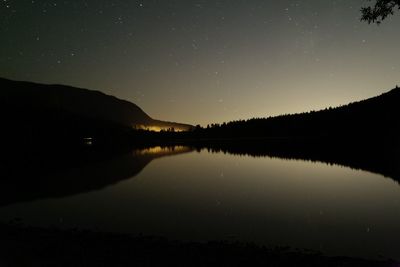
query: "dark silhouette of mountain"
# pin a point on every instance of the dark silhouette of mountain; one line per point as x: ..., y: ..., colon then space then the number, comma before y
x: 32, y: 107
x: 376, y: 117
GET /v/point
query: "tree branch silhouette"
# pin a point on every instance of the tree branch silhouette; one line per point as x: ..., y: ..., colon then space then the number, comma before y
x: 379, y: 11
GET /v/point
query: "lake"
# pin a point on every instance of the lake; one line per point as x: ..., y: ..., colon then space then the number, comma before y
x: 185, y: 194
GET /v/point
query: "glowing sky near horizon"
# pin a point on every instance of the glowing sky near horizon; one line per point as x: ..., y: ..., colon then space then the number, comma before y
x: 204, y: 61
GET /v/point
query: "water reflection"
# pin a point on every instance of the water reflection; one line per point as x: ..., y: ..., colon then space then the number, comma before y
x: 39, y: 183
x: 377, y: 157
x: 61, y: 182
x: 159, y: 151
x: 216, y: 196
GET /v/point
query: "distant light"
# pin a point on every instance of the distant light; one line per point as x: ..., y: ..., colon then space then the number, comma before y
x: 158, y: 128
x: 88, y: 141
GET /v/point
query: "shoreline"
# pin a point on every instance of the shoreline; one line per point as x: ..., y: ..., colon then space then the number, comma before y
x: 22, y: 245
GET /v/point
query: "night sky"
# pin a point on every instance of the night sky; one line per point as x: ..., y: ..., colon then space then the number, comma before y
x: 204, y: 61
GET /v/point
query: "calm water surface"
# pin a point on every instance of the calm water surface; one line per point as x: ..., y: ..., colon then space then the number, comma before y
x: 190, y: 195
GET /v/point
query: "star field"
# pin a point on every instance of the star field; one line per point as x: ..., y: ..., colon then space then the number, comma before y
x: 203, y: 61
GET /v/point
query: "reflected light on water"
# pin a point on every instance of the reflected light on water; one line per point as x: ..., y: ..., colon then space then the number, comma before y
x: 161, y: 151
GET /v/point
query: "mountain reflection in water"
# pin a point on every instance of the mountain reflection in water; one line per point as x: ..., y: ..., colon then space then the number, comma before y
x: 39, y: 184
x: 21, y: 185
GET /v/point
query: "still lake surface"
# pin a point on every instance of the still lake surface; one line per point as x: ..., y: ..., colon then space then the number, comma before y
x: 199, y: 196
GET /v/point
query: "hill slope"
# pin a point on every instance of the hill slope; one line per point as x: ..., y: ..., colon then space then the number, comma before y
x: 373, y: 117
x: 18, y: 96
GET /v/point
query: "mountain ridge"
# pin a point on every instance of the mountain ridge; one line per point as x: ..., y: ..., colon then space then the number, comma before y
x: 89, y: 103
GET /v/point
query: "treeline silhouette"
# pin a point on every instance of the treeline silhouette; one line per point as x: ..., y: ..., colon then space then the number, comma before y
x: 374, y: 118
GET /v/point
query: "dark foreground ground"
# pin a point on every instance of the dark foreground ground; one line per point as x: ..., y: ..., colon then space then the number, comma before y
x: 29, y: 246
